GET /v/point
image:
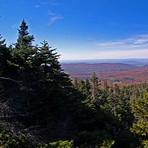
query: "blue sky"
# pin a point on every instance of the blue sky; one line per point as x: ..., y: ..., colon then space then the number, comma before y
x: 81, y: 29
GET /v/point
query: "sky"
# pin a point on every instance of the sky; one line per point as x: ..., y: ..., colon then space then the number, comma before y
x: 81, y: 29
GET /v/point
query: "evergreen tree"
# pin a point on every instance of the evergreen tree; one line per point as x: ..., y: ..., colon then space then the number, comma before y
x: 19, y: 65
x: 106, y: 87
x: 140, y: 110
x: 82, y: 85
x: 23, y: 38
x: 87, y: 87
x: 22, y: 56
x: 75, y: 83
x: 117, y: 91
x: 50, y: 81
x: 50, y: 72
x: 38, y: 76
x: 94, y: 86
x: 4, y: 54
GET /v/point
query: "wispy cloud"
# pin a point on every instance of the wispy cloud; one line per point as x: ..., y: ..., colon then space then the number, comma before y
x: 139, y: 54
x: 37, y: 6
x: 124, y: 54
x: 136, y: 47
x: 54, y: 17
x: 141, y: 41
x: 15, y: 25
x: 50, y: 13
x: 138, y: 42
x: 108, y: 43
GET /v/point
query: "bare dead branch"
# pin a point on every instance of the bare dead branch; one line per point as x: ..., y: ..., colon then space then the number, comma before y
x: 11, y: 80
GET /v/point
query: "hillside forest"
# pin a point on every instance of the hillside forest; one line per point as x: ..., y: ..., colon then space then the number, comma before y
x: 41, y: 107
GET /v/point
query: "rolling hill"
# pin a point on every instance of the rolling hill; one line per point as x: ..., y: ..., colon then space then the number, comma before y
x: 113, y: 73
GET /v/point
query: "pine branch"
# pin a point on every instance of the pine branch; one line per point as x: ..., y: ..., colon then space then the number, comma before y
x: 11, y: 80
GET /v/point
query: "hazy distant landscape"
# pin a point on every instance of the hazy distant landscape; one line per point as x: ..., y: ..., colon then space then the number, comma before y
x: 133, y: 61
x: 122, y: 72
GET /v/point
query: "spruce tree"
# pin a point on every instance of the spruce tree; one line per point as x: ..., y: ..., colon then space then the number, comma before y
x: 24, y: 39
x: 81, y: 85
x: 117, y: 91
x: 22, y: 55
x: 51, y: 81
x: 20, y: 67
x: 94, y: 86
x: 49, y: 70
x: 75, y: 83
x: 87, y: 87
x: 106, y: 87
x: 37, y: 79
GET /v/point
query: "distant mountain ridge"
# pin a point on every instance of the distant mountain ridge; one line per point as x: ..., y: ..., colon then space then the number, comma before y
x: 134, y: 62
x: 145, y: 66
x: 85, y: 67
